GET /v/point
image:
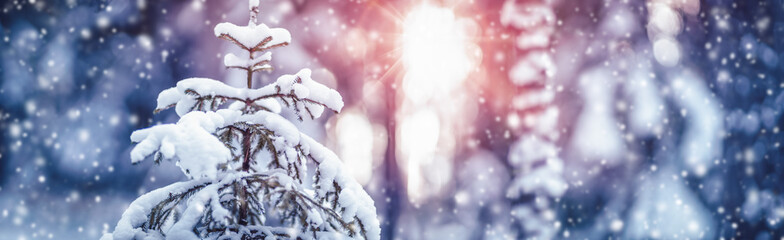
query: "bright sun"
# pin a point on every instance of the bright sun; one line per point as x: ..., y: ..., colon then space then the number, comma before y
x: 434, y: 52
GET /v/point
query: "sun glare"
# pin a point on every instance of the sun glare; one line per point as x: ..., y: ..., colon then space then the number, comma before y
x: 434, y: 53
x: 436, y: 56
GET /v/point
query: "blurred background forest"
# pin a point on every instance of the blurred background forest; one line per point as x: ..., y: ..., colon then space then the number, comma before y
x: 587, y: 119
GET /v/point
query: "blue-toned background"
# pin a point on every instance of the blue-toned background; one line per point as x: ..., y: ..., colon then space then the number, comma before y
x: 657, y: 140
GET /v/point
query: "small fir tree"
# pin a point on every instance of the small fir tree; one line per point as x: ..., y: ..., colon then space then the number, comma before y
x: 247, y: 165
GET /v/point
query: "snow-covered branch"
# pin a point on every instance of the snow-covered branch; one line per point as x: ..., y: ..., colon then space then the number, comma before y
x: 190, y: 142
x: 256, y: 64
x: 253, y: 38
x: 298, y: 92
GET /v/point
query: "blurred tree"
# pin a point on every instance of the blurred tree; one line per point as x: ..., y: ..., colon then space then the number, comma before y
x: 538, y: 169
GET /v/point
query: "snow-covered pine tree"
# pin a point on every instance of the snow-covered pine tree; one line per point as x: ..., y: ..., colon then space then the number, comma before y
x: 247, y: 165
x: 538, y: 170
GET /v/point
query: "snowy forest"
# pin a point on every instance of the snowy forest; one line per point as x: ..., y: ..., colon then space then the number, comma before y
x: 400, y: 119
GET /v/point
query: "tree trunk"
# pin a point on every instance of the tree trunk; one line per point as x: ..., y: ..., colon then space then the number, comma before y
x: 243, y: 198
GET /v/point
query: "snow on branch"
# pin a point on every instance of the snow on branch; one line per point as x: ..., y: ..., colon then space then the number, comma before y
x: 298, y: 92
x: 197, y: 156
x: 253, y: 38
x: 190, y: 142
x: 132, y: 220
x: 260, y: 63
x: 335, y: 186
x: 274, y: 123
x: 307, y: 95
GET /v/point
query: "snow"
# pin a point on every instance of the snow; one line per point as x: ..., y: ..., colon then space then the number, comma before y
x: 129, y: 226
x: 352, y: 197
x: 300, y: 86
x: 212, y: 115
x: 69, y: 106
x: 231, y: 60
x: 354, y: 201
x: 304, y: 87
x: 206, y: 198
x: 274, y: 122
x: 347, y: 200
x: 198, y: 151
x: 251, y: 36
x: 315, y: 90
x: 190, y: 142
x: 314, y: 218
x: 301, y: 91
x: 198, y: 204
x: 168, y: 98
x: 272, y: 104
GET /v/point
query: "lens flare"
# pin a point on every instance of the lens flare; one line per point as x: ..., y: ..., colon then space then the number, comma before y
x: 438, y: 54
x: 435, y: 53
